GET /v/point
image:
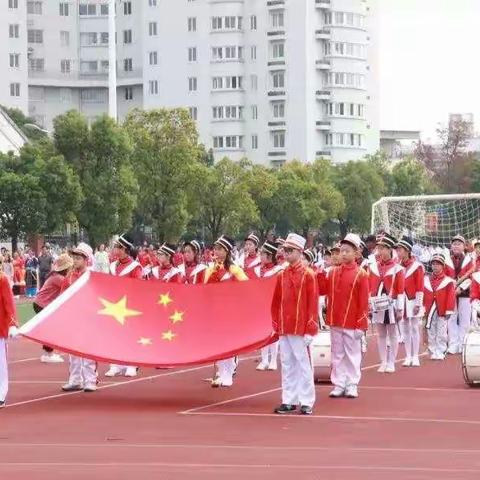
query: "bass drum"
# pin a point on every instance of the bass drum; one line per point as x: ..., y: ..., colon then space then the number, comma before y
x: 321, y: 356
x: 471, y: 358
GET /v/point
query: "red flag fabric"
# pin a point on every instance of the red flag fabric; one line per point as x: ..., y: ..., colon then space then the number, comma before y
x: 149, y: 323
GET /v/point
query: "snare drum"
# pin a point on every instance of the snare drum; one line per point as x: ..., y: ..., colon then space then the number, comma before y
x: 321, y: 356
x: 380, y: 303
x: 471, y: 358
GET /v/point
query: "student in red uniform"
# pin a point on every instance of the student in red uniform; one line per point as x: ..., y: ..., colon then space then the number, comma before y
x: 295, y: 320
x: 8, y: 329
x: 268, y: 268
x: 387, y: 290
x: 127, y: 266
x: 347, y: 292
x: 439, y: 302
x: 309, y: 259
x: 192, y: 269
x: 476, y: 253
x: 222, y: 270
x: 459, y: 266
x: 83, y: 372
x: 50, y: 290
x: 413, y: 309
x: 166, y: 272
x: 335, y: 255
x: 475, y: 298
x: 249, y: 258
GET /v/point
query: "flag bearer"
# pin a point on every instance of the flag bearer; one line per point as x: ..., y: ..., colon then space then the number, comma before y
x: 192, y: 269
x: 249, y: 259
x: 166, y: 272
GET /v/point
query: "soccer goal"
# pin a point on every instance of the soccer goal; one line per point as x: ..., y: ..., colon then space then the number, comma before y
x: 429, y: 219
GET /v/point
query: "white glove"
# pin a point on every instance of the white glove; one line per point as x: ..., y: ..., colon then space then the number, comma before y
x: 358, y: 334
x: 308, y: 339
x: 12, y: 332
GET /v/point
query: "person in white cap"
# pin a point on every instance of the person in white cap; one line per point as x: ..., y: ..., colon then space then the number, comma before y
x: 347, y: 291
x: 83, y: 372
x: 295, y: 320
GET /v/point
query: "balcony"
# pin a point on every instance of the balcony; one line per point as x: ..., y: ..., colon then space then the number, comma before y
x: 323, y: 64
x: 276, y: 63
x: 323, y: 153
x: 325, y: 4
x: 277, y: 124
x: 276, y: 93
x: 323, y: 94
x: 276, y: 33
x: 323, y: 126
x: 276, y: 4
x: 323, y: 34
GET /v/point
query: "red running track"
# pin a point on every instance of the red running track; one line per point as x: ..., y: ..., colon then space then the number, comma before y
x: 419, y: 423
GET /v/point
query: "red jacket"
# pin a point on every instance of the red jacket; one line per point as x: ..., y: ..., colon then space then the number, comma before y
x: 267, y: 270
x: 346, y: 288
x: 168, y: 274
x: 414, y: 279
x: 51, y: 289
x: 388, y: 276
x: 462, y: 274
x: 249, y: 264
x: 295, y: 302
x: 439, y: 296
x: 475, y: 288
x: 192, y: 273
x: 7, y: 307
x: 71, y: 278
x: 128, y: 267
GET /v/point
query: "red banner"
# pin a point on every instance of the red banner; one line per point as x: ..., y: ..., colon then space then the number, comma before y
x: 148, y: 323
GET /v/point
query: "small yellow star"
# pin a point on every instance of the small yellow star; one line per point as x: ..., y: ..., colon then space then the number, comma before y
x: 119, y: 311
x: 177, y: 317
x: 169, y: 336
x: 165, y: 299
x: 145, y: 341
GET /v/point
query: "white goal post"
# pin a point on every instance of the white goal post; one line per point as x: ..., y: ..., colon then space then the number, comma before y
x: 428, y: 219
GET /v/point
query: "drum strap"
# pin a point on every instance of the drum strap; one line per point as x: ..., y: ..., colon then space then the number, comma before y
x: 431, y: 313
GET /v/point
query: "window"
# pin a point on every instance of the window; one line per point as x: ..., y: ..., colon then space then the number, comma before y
x: 230, y: 141
x: 34, y: 8
x: 13, y: 30
x: 339, y: 17
x: 15, y: 89
x: 127, y: 36
x: 278, y: 139
x: 90, y: 9
x: 278, y: 50
x: 63, y: 9
x: 278, y: 79
x: 104, y: 66
x: 253, y: 52
x: 217, y: 23
x: 152, y: 3
x: 230, y: 83
x: 192, y: 24
x: 153, y: 58
x: 253, y: 82
x: 103, y: 9
x: 65, y: 66
x: 35, y: 36
x: 65, y: 95
x: 152, y: 29
x: 127, y: 64
x: 217, y: 113
x: 93, y: 95
x: 192, y: 84
x: 327, y: 18
x: 12, y: 3
x: 279, y: 109
x: 128, y: 93
x: 277, y: 19
x: 254, y: 142
x: 104, y: 38
x: 36, y: 94
x: 254, y: 112
x: 14, y: 60
x: 192, y: 54
x: 193, y: 112
x: 36, y: 64
x: 217, y: 142
x: 64, y: 38
x: 88, y: 38
x: 253, y: 22
x: 217, y: 83
x: 127, y: 8
x: 153, y: 87
x: 89, y: 67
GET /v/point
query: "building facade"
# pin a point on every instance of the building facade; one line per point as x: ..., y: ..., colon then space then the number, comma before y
x: 270, y: 80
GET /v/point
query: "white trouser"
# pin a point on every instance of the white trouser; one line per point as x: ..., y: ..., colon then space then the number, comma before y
x: 298, y: 385
x: 226, y: 369
x: 387, y: 355
x: 346, y: 357
x: 401, y: 330
x: 458, y: 325
x: 82, y: 371
x: 438, y: 336
x: 269, y: 353
x: 411, y: 336
x: 3, y: 369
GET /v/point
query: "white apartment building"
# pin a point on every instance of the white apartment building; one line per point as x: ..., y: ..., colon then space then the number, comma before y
x: 270, y: 80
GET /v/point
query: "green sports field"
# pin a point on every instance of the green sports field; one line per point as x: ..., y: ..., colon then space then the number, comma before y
x: 24, y: 312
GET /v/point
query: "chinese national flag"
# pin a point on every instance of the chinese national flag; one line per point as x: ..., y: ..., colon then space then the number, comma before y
x: 148, y: 323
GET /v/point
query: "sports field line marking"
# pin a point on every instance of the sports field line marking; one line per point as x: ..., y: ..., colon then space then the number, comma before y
x: 47, y: 382
x: 118, y: 384
x: 24, y: 360
x: 242, y: 466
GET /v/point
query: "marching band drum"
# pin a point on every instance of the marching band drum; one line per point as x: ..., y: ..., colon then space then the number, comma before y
x: 321, y: 356
x: 471, y: 358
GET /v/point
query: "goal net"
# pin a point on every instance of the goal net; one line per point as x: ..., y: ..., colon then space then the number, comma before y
x: 429, y: 219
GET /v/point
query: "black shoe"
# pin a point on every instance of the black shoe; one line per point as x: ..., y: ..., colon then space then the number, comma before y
x: 306, y: 410
x: 285, y: 408
x: 2, y: 404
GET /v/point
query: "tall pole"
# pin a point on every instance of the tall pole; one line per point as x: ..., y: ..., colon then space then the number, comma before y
x: 112, y: 62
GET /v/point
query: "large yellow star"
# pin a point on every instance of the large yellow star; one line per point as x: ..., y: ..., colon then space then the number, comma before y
x: 144, y: 341
x: 169, y: 336
x: 165, y: 299
x: 119, y: 311
x: 177, y: 317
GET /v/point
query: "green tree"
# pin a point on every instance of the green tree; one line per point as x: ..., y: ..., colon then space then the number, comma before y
x: 410, y: 177
x: 25, y: 124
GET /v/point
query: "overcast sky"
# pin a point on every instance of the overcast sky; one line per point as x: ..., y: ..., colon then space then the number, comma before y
x: 429, y: 62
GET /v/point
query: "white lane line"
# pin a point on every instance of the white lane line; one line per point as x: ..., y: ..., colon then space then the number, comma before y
x: 48, y: 382
x: 24, y: 360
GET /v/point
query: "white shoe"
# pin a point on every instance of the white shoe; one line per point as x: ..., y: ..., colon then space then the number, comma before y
x: 262, y: 366
x: 390, y: 369
x: 382, y: 368
x: 272, y: 365
x: 51, y: 358
x: 90, y: 387
x: 351, y: 391
x: 113, y: 371
x: 415, y: 362
x: 219, y: 383
x: 131, y: 372
x: 337, y: 392
x: 407, y: 362
x: 452, y: 350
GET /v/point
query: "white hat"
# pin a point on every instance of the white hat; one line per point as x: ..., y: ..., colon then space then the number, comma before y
x: 82, y: 249
x: 352, y: 239
x: 295, y: 241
